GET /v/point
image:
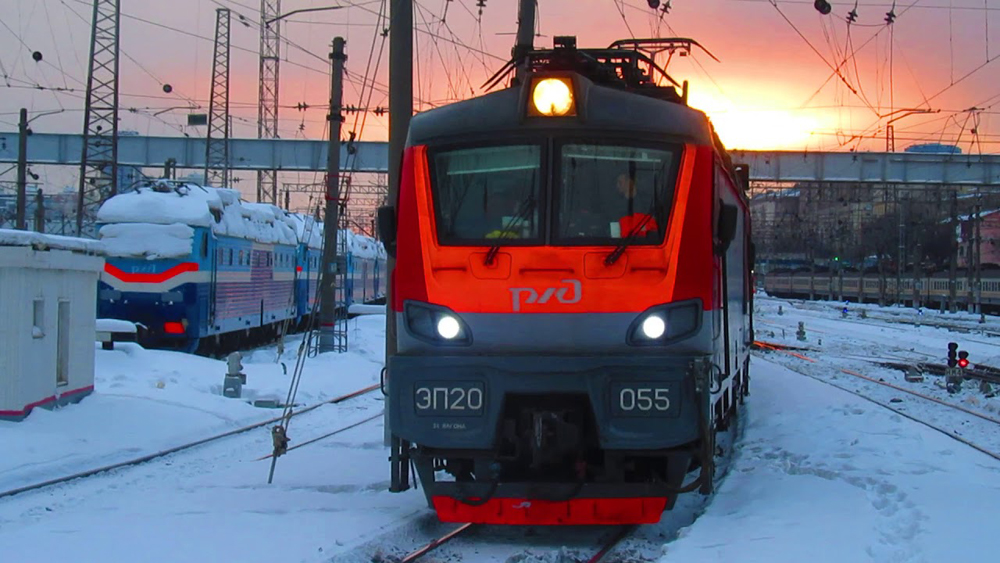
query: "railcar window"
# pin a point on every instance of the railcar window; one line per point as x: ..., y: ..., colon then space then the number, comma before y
x: 607, y: 192
x: 485, y: 194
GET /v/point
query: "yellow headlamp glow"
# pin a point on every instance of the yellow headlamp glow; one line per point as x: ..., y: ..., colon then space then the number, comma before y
x: 553, y: 97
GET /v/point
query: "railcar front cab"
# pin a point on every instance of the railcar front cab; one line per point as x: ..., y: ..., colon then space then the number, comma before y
x: 547, y: 418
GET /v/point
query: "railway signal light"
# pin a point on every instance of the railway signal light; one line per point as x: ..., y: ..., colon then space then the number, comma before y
x: 952, y: 354
x: 963, y: 359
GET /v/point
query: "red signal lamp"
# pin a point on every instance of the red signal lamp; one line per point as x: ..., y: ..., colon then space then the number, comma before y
x: 963, y: 363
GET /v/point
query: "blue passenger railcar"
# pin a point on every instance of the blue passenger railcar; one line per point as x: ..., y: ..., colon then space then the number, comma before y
x: 195, y: 266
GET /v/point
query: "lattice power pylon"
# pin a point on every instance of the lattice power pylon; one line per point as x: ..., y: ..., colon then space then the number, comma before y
x: 217, y: 143
x: 267, y: 111
x: 99, y: 162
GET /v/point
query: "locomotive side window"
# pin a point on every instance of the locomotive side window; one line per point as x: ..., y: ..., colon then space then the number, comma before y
x: 607, y: 193
x: 485, y: 194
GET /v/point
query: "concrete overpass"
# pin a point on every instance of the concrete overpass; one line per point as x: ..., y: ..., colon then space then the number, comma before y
x: 310, y: 156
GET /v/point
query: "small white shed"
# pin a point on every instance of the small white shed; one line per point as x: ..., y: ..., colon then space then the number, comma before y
x: 48, y: 305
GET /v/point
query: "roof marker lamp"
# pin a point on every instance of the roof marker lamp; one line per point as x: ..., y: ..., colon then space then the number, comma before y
x: 553, y: 97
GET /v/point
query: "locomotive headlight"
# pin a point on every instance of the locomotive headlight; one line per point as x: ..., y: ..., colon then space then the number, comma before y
x: 435, y: 324
x: 665, y: 324
x: 448, y: 327
x: 653, y: 326
x: 553, y: 97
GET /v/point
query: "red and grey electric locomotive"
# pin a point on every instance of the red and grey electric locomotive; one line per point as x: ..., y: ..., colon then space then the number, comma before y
x: 571, y: 294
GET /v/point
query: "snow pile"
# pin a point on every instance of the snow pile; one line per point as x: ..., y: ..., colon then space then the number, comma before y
x: 363, y: 246
x: 38, y: 241
x: 307, y: 229
x: 261, y: 222
x: 115, y: 325
x: 155, y: 222
x: 145, y: 240
x: 164, y: 203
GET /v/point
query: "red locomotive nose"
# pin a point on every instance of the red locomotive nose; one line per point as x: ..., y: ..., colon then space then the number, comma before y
x: 963, y: 363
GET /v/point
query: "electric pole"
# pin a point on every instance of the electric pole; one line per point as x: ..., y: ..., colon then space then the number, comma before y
x: 39, y: 211
x: 400, y: 111
x: 901, y: 253
x: 979, y: 256
x: 328, y: 337
x: 953, y: 267
x: 22, y: 170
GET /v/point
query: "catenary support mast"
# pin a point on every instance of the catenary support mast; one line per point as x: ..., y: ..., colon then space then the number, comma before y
x: 99, y: 161
x: 217, y: 143
x: 267, y: 109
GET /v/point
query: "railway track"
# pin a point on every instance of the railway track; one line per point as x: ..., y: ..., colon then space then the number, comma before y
x: 578, y: 544
x: 605, y: 548
x: 882, y: 320
x: 163, y: 453
x: 886, y: 404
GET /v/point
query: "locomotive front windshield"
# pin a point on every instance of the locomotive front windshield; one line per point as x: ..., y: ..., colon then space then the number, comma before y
x: 607, y: 193
x: 601, y: 194
x: 488, y: 193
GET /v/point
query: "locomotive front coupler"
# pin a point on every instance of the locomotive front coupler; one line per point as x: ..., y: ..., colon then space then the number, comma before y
x: 552, y: 437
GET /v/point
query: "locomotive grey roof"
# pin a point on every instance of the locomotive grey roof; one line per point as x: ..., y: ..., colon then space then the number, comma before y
x: 600, y: 107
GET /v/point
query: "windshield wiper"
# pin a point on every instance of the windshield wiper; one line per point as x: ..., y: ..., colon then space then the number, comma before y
x: 523, y: 210
x: 633, y: 234
x: 628, y: 240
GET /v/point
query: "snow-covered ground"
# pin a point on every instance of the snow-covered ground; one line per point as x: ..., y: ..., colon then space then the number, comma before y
x: 819, y: 475
x: 146, y: 401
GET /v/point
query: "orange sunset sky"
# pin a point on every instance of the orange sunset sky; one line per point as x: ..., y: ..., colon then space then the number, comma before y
x: 773, y: 88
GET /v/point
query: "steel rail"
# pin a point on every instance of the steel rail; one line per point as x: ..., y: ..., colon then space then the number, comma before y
x: 434, y: 544
x: 778, y: 348
x: 175, y: 449
x: 612, y: 543
x: 324, y: 436
x: 902, y: 413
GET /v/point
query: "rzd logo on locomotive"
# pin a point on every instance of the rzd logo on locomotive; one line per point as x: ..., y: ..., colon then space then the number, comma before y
x: 566, y: 295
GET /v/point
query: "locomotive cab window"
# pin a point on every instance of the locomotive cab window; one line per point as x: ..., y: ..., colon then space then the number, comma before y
x: 486, y: 195
x: 607, y: 193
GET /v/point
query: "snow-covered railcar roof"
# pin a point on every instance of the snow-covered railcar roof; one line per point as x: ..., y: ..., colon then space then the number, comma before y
x: 38, y: 241
x: 161, y: 203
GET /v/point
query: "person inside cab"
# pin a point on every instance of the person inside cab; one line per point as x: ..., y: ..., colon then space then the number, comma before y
x: 639, y: 222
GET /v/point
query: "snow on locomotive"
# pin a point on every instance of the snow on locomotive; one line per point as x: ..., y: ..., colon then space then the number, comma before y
x: 570, y: 306
x: 198, y: 267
